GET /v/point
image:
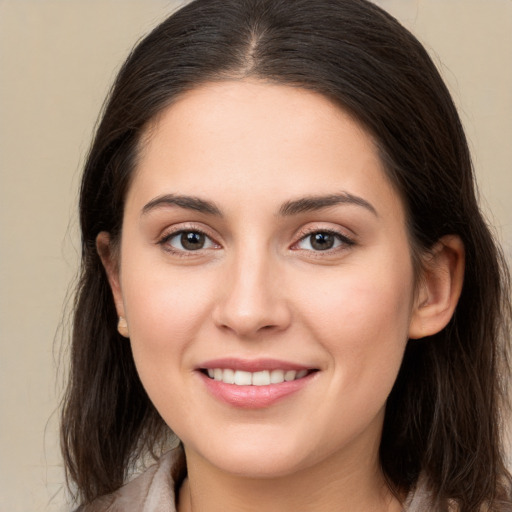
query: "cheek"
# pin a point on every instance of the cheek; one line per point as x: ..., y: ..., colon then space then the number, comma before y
x: 362, y: 323
x: 361, y: 317
x: 165, y: 309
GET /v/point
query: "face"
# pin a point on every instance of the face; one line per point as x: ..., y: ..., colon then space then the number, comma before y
x: 266, y: 278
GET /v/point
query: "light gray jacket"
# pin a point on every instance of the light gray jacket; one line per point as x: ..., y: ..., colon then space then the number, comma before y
x: 153, y: 491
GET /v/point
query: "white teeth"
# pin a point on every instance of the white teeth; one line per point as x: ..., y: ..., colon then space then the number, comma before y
x: 261, y: 378
x: 243, y: 378
x: 228, y: 376
x: 276, y: 376
x: 290, y: 375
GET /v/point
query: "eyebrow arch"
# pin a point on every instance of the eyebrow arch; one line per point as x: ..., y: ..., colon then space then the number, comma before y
x: 312, y: 203
x: 186, y: 202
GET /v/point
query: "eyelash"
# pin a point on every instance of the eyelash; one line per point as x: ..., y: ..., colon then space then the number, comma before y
x: 344, y: 241
x: 167, y: 237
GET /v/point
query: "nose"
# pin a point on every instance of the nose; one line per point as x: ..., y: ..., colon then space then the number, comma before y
x: 252, y: 298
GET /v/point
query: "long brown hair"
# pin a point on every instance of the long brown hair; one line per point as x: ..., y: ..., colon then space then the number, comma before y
x: 445, y: 413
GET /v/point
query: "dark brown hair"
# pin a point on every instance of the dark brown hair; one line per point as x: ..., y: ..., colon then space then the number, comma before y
x: 443, y: 415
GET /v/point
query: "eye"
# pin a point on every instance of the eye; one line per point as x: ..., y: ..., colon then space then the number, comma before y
x: 190, y: 240
x: 323, y: 241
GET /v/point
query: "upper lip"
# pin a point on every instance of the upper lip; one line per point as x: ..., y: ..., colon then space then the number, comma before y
x: 251, y: 365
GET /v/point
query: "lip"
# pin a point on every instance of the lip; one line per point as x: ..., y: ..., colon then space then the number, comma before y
x: 251, y: 365
x: 253, y: 397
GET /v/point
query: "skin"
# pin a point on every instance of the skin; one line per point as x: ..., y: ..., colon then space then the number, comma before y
x: 259, y: 289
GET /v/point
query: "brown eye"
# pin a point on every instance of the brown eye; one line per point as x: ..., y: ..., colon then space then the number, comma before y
x: 322, y: 241
x: 188, y: 241
x: 192, y: 240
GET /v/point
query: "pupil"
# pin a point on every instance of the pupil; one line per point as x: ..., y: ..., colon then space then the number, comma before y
x: 192, y: 240
x: 322, y: 241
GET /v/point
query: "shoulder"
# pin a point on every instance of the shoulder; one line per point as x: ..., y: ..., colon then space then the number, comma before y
x: 420, y: 499
x: 152, y: 490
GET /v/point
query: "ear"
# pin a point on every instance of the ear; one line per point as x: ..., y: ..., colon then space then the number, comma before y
x: 439, y: 287
x: 110, y: 258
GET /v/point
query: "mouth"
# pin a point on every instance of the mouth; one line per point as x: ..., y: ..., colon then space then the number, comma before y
x: 258, y: 378
x: 254, y: 384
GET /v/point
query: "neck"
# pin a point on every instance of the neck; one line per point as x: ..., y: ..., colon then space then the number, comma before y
x: 329, y: 486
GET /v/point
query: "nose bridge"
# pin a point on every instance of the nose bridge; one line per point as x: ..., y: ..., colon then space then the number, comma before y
x: 253, y: 299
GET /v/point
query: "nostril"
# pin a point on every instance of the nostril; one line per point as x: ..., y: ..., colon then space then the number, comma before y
x: 249, y: 315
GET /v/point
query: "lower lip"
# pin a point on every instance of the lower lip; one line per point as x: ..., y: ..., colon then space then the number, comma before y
x: 254, y: 397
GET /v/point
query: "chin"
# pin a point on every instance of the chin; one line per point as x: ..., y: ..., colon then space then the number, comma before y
x: 263, y: 466
x: 257, y: 456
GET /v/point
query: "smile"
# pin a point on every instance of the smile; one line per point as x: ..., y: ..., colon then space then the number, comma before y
x: 261, y: 378
x: 254, y: 384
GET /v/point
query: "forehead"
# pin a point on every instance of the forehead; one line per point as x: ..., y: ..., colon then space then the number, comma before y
x: 253, y: 139
x: 241, y: 110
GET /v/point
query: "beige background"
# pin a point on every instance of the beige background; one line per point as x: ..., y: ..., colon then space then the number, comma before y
x: 57, y: 59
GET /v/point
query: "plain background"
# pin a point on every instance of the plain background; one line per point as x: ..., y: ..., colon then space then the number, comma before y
x: 57, y: 59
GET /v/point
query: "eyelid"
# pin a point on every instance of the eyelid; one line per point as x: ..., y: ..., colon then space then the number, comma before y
x: 175, y: 230
x: 346, y: 240
x: 172, y: 231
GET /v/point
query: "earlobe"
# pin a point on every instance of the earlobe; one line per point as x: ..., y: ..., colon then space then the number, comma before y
x: 122, y: 327
x: 439, y: 288
x: 110, y: 260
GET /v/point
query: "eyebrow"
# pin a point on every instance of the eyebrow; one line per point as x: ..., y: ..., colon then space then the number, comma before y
x: 313, y: 203
x: 295, y: 207
x: 186, y: 202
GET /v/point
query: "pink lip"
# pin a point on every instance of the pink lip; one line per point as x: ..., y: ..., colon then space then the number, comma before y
x: 253, y: 397
x: 247, y: 365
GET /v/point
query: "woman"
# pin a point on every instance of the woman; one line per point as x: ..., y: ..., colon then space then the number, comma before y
x: 278, y: 212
